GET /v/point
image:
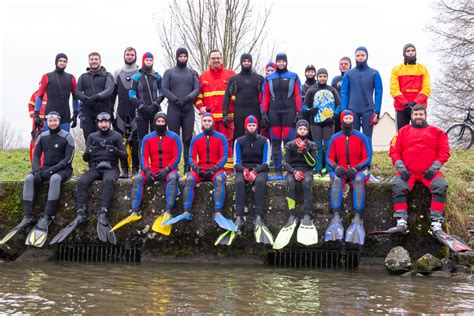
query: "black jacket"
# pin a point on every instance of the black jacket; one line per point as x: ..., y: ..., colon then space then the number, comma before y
x: 57, y: 148
x: 304, y: 160
x: 251, y: 152
x: 98, y: 82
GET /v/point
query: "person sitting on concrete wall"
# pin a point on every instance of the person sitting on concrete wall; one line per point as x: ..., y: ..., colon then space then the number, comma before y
x: 207, y: 158
x: 160, y: 155
x: 349, y: 156
x: 57, y: 148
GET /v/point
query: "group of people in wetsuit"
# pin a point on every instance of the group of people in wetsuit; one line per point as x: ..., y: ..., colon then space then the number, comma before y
x: 249, y: 122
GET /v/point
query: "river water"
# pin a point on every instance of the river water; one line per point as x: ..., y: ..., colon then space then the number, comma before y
x: 189, y: 288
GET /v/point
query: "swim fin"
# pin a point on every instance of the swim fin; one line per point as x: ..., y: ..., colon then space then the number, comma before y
x: 355, y: 233
x: 262, y: 234
x: 224, y: 222
x: 307, y: 233
x: 81, y: 217
x: 173, y: 220
x: 452, y: 242
x: 27, y: 221
x: 335, y: 230
x: 135, y: 216
x: 226, y: 238
x: 158, y: 224
x: 284, y: 236
x: 104, y: 229
x: 39, y: 234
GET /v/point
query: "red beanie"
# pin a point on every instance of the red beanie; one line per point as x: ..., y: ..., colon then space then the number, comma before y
x: 344, y: 113
x: 250, y: 119
x: 145, y: 56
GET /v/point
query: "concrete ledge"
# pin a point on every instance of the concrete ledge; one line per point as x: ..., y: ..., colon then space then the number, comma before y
x: 197, y: 237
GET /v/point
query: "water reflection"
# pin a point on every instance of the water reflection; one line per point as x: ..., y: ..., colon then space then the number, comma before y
x: 166, y: 288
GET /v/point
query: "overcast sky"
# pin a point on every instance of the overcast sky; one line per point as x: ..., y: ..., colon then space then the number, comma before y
x: 310, y: 32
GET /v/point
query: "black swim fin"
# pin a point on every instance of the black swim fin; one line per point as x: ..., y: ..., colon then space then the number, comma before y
x: 81, y: 217
x: 104, y: 229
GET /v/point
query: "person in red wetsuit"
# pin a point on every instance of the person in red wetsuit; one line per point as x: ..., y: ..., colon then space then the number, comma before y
x: 349, y: 156
x: 207, y: 157
x: 418, y: 152
x: 36, y: 130
x: 213, y: 83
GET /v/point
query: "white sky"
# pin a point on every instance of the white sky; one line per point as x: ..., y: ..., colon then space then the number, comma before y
x: 310, y: 32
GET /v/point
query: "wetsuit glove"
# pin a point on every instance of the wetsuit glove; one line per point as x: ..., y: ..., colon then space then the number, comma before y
x: 431, y: 171
x: 161, y: 175
x: 265, y: 120
x: 200, y: 172
x: 156, y: 107
x: 402, y: 169
x: 95, y: 98
x: 300, y: 144
x: 38, y: 120
x: 74, y: 119
x: 374, y: 119
x: 299, y: 176
x: 408, y: 106
x: 351, y: 173
x: 250, y: 175
x: 226, y: 121
x: 37, y: 175
x: 150, y: 177
x: 340, y: 172
x: 179, y: 104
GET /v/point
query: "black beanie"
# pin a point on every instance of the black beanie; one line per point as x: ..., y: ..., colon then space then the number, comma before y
x: 348, y: 59
x: 59, y: 56
x: 310, y: 67
x: 406, y: 46
x: 409, y: 60
x: 180, y: 51
x: 244, y: 57
x: 322, y: 71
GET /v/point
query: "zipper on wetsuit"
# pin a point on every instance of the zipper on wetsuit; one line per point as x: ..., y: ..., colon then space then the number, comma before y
x: 160, y: 152
x: 347, y: 153
x: 208, y: 150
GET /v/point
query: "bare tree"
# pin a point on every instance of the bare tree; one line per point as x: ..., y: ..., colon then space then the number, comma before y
x: 9, y: 137
x: 232, y: 26
x: 453, y: 32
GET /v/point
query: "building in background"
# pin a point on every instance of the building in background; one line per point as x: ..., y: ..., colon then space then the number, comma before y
x: 384, y: 132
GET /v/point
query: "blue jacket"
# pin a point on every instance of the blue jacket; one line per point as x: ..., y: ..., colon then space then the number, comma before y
x: 359, y: 86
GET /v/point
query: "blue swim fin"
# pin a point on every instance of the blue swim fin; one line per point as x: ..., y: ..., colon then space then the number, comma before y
x: 335, y: 230
x: 355, y: 233
x: 186, y: 215
x: 224, y: 222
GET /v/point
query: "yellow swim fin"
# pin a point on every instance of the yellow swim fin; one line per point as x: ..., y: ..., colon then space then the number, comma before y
x: 162, y: 229
x: 130, y: 219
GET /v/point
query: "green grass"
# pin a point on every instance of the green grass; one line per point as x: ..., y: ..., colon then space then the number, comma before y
x: 459, y: 171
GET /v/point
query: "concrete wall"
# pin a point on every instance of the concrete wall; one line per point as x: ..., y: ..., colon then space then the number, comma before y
x: 196, y: 238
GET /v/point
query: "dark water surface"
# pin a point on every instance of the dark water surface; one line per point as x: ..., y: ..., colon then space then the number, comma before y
x: 172, y: 288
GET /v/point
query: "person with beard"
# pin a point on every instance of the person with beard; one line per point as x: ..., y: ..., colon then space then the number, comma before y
x: 104, y: 149
x: 345, y: 64
x: 281, y: 107
x: 349, y: 156
x: 300, y: 158
x: 251, y: 159
x: 409, y: 85
x: 125, y: 122
x: 58, y: 85
x: 160, y: 156
x: 146, y: 95
x: 207, y: 157
x: 181, y: 87
x: 359, y: 85
x: 418, y: 151
x: 245, y: 90
x: 213, y: 83
x: 56, y: 146
x: 320, y: 103
x: 94, y: 89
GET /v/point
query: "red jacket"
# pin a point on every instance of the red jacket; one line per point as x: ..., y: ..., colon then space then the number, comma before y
x: 213, y: 85
x: 159, y: 152
x: 31, y: 104
x: 418, y: 148
x: 207, y: 151
x: 349, y: 152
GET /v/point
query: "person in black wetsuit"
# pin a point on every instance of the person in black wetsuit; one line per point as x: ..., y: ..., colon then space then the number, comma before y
x: 125, y: 122
x: 181, y: 87
x: 245, y: 90
x: 57, y: 148
x: 344, y: 65
x: 94, y: 89
x: 146, y: 95
x: 310, y: 74
x: 58, y: 85
x: 251, y: 160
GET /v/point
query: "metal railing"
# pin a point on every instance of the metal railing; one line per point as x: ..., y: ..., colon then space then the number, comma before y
x: 98, y: 253
x: 313, y: 258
